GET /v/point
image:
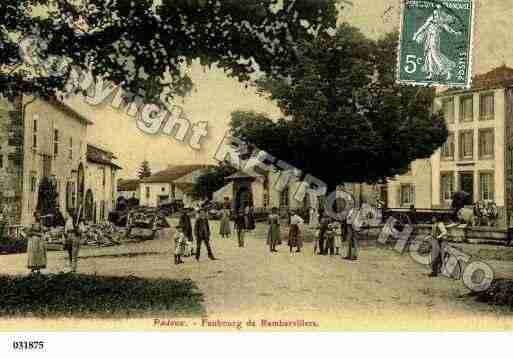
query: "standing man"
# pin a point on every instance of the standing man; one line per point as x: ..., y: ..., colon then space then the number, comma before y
x: 202, y: 233
x: 185, y: 223
x: 438, y: 234
x: 352, y: 227
x: 240, y: 227
x: 322, y: 235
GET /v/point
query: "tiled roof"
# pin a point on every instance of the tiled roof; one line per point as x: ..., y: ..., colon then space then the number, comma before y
x: 128, y: 184
x: 172, y: 173
x: 102, y: 157
x: 499, y: 77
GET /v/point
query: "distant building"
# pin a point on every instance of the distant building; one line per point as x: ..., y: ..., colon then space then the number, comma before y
x: 478, y: 155
x: 173, y: 183
x: 128, y: 188
x: 101, y: 183
x: 412, y: 188
x: 264, y: 190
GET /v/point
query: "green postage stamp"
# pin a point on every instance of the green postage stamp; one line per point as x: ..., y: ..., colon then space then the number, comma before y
x: 435, y: 45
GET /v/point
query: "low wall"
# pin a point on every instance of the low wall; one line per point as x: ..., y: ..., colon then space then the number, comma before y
x: 481, y: 235
x: 462, y: 234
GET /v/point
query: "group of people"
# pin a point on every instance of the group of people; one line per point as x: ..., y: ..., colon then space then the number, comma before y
x: 185, y: 245
x: 244, y: 221
x: 328, y: 234
x: 38, y: 236
x: 185, y: 234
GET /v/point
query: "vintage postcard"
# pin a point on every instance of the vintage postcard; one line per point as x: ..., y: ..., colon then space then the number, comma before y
x: 258, y: 166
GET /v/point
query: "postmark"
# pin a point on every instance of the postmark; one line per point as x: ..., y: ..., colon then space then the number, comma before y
x: 435, y: 46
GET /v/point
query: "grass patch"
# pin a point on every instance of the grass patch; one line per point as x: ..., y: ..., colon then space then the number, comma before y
x: 85, y: 296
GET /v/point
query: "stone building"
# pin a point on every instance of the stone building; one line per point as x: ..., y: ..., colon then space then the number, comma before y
x: 54, y: 145
x: 478, y: 155
x: 128, y: 188
x: 101, y: 184
x: 172, y: 183
x: 412, y: 188
x: 42, y: 139
x: 264, y: 190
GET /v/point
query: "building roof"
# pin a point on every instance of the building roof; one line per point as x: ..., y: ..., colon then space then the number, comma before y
x: 100, y: 156
x: 499, y: 77
x: 128, y: 184
x: 239, y: 175
x: 60, y: 105
x: 172, y: 173
x: 243, y: 175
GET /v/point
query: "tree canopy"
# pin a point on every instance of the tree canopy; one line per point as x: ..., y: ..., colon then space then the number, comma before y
x: 212, y: 180
x: 144, y: 44
x: 347, y: 119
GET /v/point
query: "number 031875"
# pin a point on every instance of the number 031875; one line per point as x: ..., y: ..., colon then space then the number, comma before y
x: 28, y: 345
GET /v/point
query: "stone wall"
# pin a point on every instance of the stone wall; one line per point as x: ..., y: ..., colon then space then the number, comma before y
x: 11, y: 151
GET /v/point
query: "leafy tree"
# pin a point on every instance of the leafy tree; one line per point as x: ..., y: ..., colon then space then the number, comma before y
x: 144, y: 170
x: 347, y: 119
x: 212, y: 180
x: 144, y: 44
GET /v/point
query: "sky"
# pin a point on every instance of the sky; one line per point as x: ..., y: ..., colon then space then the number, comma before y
x: 216, y: 96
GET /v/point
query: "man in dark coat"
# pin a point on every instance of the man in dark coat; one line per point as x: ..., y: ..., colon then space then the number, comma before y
x: 185, y: 223
x: 322, y: 235
x: 202, y: 233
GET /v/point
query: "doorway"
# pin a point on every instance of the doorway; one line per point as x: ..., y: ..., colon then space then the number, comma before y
x: 467, y: 185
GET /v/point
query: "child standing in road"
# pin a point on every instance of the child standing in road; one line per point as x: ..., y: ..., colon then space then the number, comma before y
x: 180, y: 242
x: 330, y: 239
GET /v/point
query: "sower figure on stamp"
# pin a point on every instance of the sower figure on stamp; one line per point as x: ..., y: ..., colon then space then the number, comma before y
x: 435, y: 62
x: 438, y: 234
x: 273, y: 234
x: 202, y: 233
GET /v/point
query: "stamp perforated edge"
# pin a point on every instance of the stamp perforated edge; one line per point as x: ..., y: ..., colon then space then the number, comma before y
x: 470, y: 72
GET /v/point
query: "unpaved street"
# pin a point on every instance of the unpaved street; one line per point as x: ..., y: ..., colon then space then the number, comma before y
x: 382, y: 290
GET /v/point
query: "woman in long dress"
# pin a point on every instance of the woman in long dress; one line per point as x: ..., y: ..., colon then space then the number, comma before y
x: 314, y: 225
x: 273, y: 234
x: 249, y: 218
x: 435, y: 62
x: 295, y: 238
x: 225, y: 230
x: 36, y: 247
